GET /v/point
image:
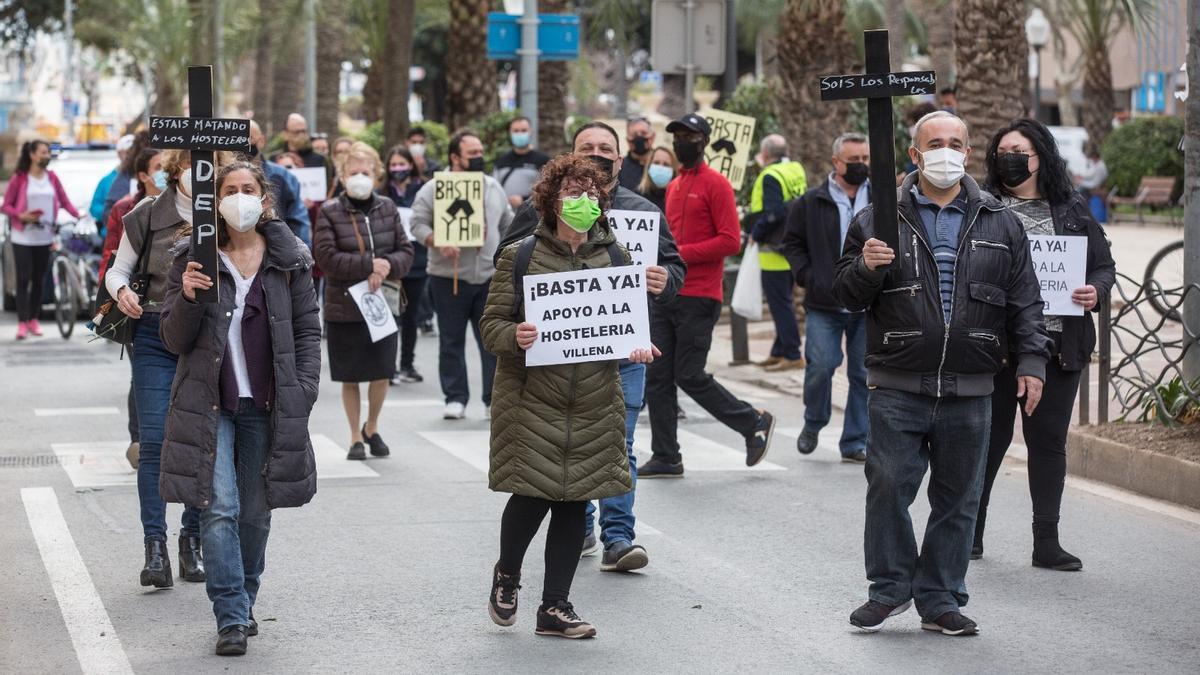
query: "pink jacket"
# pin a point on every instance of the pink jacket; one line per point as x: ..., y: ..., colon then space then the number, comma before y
x: 15, y: 203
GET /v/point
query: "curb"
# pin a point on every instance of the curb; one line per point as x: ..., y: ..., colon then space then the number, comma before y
x: 1159, y: 476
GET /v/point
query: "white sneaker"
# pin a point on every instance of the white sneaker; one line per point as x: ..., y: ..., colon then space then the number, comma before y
x: 454, y: 411
x: 487, y: 412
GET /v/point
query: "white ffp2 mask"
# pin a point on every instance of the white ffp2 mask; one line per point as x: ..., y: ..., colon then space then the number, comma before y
x: 359, y: 186
x: 943, y: 167
x: 241, y: 211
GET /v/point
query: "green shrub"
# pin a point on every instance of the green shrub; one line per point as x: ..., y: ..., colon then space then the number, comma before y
x: 757, y: 100
x: 437, y: 139
x: 1145, y: 146
x: 372, y: 135
x: 493, y: 131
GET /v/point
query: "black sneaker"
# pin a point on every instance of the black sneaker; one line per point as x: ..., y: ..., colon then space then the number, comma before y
x: 232, y: 641
x: 357, y: 451
x: 252, y: 629
x: 657, y: 468
x: 951, y: 623
x: 410, y: 375
x: 977, y: 551
x: 807, y: 442
x: 870, y: 617
x: 758, y: 442
x: 624, y: 557
x: 502, y: 604
x: 561, y: 620
x: 378, y: 447
x: 1048, y: 554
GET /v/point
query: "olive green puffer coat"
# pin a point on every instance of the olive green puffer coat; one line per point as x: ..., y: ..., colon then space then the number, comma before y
x: 558, y: 432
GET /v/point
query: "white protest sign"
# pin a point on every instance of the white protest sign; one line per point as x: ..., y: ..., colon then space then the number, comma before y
x: 638, y: 232
x: 374, y: 309
x: 1061, y: 267
x: 406, y: 221
x: 587, y: 315
x: 312, y: 183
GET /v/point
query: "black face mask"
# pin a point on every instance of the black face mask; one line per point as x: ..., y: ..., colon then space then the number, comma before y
x: 1013, y: 169
x: 475, y: 164
x: 640, y: 145
x: 688, y: 152
x: 857, y: 173
x: 605, y: 164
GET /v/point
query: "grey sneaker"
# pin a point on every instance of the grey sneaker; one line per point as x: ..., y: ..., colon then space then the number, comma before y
x: 561, y: 620
x: 624, y: 557
x: 951, y: 623
x: 871, y: 615
x: 591, y: 546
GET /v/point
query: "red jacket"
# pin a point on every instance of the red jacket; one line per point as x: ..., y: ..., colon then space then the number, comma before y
x: 703, y: 217
x: 116, y: 227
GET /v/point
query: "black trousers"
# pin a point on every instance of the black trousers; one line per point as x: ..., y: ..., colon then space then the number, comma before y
x: 414, y: 291
x: 683, y: 330
x: 1045, y: 438
x: 564, y: 541
x: 31, y: 262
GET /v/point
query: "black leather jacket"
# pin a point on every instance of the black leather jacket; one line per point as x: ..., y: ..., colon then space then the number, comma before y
x: 996, y: 299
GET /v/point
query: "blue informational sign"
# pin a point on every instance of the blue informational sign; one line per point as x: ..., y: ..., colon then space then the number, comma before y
x: 653, y: 78
x: 558, y: 37
x: 1152, y: 94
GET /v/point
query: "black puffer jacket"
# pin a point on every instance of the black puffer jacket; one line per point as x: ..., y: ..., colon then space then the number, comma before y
x: 343, y: 239
x: 198, y: 334
x: 996, y: 298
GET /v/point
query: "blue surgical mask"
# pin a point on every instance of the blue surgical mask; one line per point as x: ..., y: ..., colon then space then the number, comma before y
x: 660, y: 175
x: 520, y: 139
x: 160, y: 179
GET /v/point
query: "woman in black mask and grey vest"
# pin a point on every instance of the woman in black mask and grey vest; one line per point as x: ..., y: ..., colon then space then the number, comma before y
x: 1026, y: 172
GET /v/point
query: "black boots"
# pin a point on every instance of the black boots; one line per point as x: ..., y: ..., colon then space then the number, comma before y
x: 157, y: 572
x: 231, y: 641
x: 191, y: 562
x: 1046, y: 551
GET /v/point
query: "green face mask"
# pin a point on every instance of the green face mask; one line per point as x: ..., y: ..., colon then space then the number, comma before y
x: 580, y: 212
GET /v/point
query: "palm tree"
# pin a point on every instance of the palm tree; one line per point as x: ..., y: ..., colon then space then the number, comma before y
x: 554, y: 82
x: 331, y: 50
x: 398, y: 56
x: 993, y: 68
x: 812, y: 42
x: 264, y: 67
x: 470, y: 77
x: 938, y: 17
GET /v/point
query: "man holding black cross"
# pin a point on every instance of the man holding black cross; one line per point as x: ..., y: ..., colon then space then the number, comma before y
x: 941, y: 307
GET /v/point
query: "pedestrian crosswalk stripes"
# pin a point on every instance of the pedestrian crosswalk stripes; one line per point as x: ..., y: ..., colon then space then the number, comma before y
x: 75, y: 412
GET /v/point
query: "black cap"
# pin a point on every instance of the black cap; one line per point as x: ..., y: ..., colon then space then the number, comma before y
x: 690, y: 121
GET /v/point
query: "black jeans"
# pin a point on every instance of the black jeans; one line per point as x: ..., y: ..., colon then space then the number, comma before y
x: 683, y: 330
x: 454, y: 313
x: 414, y: 290
x: 564, y: 541
x: 31, y: 262
x: 1045, y: 439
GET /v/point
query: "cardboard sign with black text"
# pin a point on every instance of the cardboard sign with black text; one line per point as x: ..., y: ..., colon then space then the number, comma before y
x: 587, y: 315
x: 458, y: 209
x: 728, y: 150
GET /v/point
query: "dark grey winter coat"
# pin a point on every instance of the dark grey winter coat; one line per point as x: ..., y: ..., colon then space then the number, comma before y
x: 198, y: 334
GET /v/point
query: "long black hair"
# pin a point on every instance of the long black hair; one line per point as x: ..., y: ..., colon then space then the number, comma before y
x: 1053, y: 180
x: 25, y: 163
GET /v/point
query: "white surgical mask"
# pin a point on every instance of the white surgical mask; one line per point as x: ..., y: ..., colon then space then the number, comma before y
x: 417, y: 149
x: 185, y: 182
x: 359, y: 186
x: 943, y: 167
x: 241, y: 211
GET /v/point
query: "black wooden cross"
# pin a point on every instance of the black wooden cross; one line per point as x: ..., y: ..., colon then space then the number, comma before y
x: 202, y: 135
x: 878, y: 85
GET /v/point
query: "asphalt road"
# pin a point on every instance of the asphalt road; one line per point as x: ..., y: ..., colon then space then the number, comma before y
x: 387, y: 570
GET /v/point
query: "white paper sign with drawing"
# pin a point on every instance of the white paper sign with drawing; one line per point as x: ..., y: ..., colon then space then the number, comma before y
x: 1061, y: 267
x: 587, y: 315
x: 638, y: 232
x: 375, y: 310
x: 312, y: 183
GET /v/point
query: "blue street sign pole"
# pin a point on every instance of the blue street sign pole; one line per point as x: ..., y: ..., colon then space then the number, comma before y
x: 528, y: 53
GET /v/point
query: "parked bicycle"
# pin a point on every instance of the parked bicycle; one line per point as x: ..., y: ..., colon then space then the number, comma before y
x: 1163, y: 281
x: 75, y: 271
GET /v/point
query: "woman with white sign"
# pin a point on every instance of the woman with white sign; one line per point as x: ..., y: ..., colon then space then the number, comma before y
x: 359, y: 237
x: 403, y: 181
x: 237, y: 440
x: 1027, y: 173
x: 558, y: 432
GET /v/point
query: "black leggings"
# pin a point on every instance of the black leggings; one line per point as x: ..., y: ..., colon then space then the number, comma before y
x: 414, y: 291
x: 31, y: 264
x: 564, y: 541
x: 1045, y: 438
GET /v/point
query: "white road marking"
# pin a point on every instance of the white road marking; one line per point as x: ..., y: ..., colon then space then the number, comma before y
x: 96, y: 643
x: 103, y: 464
x: 750, y: 391
x: 75, y: 412
x: 828, y: 439
x: 472, y: 447
x: 702, y: 454
x: 412, y: 403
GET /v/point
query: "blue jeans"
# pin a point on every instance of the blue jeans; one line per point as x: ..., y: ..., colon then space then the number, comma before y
x: 909, y: 434
x: 454, y: 313
x: 777, y: 287
x: 153, y: 372
x: 236, y: 525
x: 823, y: 353
x: 616, y: 513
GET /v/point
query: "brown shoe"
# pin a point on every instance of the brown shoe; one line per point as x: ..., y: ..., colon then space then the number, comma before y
x: 132, y: 453
x: 769, y: 361
x: 785, y: 364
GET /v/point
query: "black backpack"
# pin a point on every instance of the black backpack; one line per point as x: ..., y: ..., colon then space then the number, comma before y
x: 521, y: 266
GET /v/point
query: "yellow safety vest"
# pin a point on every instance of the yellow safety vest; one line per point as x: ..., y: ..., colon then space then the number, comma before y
x: 792, y: 179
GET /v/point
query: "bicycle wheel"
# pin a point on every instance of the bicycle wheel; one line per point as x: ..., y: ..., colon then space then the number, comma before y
x: 66, y: 309
x: 1164, y: 280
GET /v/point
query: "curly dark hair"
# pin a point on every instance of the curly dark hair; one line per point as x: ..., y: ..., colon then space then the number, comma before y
x: 569, y: 166
x: 1053, y: 179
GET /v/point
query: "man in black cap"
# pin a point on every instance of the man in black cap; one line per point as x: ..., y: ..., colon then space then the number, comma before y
x: 702, y: 215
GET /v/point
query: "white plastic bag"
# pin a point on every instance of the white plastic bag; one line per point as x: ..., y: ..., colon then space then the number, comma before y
x: 747, y: 297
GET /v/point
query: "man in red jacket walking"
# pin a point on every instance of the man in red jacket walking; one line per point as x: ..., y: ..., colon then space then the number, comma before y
x: 703, y: 217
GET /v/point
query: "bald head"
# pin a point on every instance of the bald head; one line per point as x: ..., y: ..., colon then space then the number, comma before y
x: 296, y: 123
x: 773, y: 148
x: 940, y: 129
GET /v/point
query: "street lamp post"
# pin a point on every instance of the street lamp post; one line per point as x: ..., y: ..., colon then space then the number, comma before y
x: 1037, y: 32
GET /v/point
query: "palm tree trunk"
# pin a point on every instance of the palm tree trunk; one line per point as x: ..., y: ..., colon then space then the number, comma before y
x: 264, y: 69
x: 894, y: 19
x: 331, y: 49
x: 553, y: 84
x: 288, y: 85
x: 993, y: 69
x: 470, y: 77
x: 1098, y: 94
x: 398, y: 54
x: 938, y: 16
x: 812, y: 41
